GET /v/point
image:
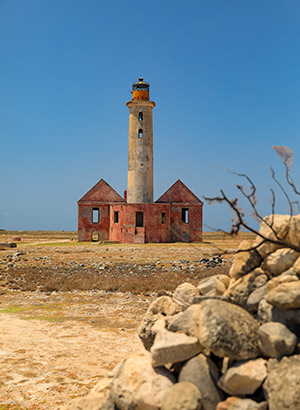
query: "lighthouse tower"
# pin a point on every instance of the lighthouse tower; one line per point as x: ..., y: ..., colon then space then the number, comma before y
x: 140, y: 155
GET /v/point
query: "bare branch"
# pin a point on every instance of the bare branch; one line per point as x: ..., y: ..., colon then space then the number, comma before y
x: 283, y: 191
x: 273, y: 205
x: 286, y: 154
x: 238, y: 220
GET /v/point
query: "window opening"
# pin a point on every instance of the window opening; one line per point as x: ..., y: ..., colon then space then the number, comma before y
x: 116, y: 217
x: 185, y: 215
x: 95, y: 215
x: 140, y: 116
x: 139, y: 219
x: 163, y: 218
x: 140, y: 133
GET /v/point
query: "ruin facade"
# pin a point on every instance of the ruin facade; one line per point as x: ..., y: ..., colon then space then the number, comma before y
x: 104, y: 215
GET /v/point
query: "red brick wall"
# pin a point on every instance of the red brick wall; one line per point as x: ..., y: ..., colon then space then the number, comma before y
x: 174, y: 230
x: 154, y: 230
x: 85, y: 225
x: 186, y: 232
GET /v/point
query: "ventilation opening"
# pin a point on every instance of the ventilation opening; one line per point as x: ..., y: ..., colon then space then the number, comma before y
x: 140, y: 133
x: 95, y: 236
x: 116, y: 217
x: 185, y: 215
x: 140, y: 116
x: 163, y: 218
x: 139, y: 219
x: 95, y: 217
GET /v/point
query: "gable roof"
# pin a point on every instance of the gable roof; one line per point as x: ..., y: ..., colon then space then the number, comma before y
x: 179, y: 192
x: 101, y: 192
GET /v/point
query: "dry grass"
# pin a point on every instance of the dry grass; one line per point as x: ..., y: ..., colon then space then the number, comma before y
x: 55, y: 261
x: 142, y: 281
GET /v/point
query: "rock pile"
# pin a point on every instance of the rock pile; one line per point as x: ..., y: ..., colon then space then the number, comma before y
x: 229, y: 343
x: 7, y: 245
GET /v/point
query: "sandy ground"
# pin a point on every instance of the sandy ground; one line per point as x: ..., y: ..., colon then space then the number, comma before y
x: 56, y: 345
x: 45, y: 364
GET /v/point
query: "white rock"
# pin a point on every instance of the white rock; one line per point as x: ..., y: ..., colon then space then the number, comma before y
x: 240, y: 289
x: 170, y: 347
x: 285, y: 296
x: 139, y: 386
x: 244, y: 377
x: 255, y: 297
x: 93, y: 401
x: 227, y: 330
x: 280, y: 224
x: 282, y: 386
x: 290, y: 318
x: 211, y: 286
x: 280, y: 260
x: 296, y: 266
x: 286, y: 227
x: 203, y: 373
x: 276, y: 339
x: 154, y: 318
x: 244, y: 262
x: 185, y: 293
x: 182, y: 396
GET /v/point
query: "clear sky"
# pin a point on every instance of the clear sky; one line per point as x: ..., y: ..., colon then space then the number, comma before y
x: 224, y: 75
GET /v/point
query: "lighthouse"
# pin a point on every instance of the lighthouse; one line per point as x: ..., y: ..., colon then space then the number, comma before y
x: 103, y: 215
x: 140, y: 145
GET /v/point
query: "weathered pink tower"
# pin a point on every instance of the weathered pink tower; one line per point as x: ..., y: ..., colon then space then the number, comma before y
x: 140, y: 156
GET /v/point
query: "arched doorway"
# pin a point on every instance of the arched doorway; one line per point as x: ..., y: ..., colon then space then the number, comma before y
x: 95, y: 236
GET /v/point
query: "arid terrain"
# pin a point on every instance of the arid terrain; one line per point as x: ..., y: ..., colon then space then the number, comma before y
x: 70, y: 311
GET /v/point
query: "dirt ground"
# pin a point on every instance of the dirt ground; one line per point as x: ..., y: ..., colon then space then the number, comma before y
x: 69, y: 311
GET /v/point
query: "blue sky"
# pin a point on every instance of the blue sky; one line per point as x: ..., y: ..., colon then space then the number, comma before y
x: 224, y: 76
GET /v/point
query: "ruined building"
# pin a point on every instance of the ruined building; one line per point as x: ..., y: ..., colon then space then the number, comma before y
x: 104, y: 215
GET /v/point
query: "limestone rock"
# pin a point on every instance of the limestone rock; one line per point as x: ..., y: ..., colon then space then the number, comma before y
x: 221, y: 327
x: 282, y: 386
x: 296, y: 266
x: 294, y: 230
x: 163, y: 305
x: 276, y: 340
x: 185, y: 322
x: 280, y: 260
x: 93, y: 401
x: 290, y: 318
x: 102, y: 386
x: 287, y: 276
x: 255, y: 297
x: 182, y: 396
x: 226, y: 330
x: 244, y: 262
x: 224, y: 279
x: 185, y: 293
x: 203, y: 373
x: 240, y: 289
x: 212, y: 286
x: 285, y: 296
x: 154, y: 319
x: 280, y: 224
x: 138, y: 385
x: 172, y: 347
x: 244, y: 377
x: 236, y: 403
x: 97, y: 399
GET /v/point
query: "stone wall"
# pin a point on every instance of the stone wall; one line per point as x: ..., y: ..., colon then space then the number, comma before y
x: 229, y: 343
